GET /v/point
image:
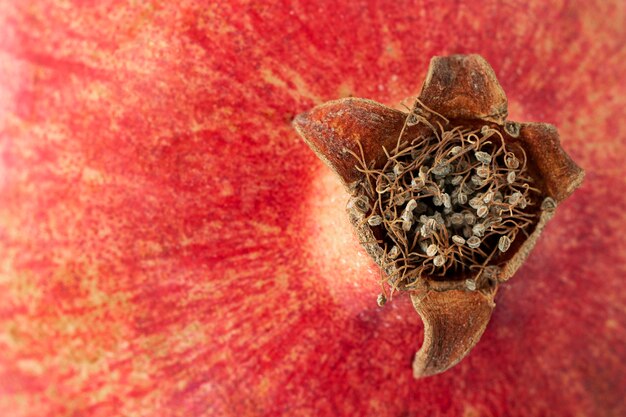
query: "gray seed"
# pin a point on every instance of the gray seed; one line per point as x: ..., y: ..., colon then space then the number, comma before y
x: 470, y: 284
x: 477, y: 181
x: 473, y: 242
x: 523, y: 203
x: 381, y: 300
x: 504, y: 243
x: 548, y: 204
x: 442, y: 169
x: 456, y: 180
x: 446, y: 200
x: 482, y: 211
x: 432, y: 250
x: 407, y: 224
x: 417, y: 183
x: 483, y: 157
x: 394, y: 252
x: 361, y: 203
x: 411, y: 205
x: 515, y: 198
x: 511, y: 162
x: 482, y: 171
x: 458, y: 240
x: 456, y: 219
x: 462, y: 198
x: 476, y: 203
x: 432, y: 189
x: 375, y: 220
x: 478, y: 229
x: 439, y: 260
x: 469, y: 218
x: 491, y: 272
x: 510, y: 178
x: 467, y: 188
x: 399, y: 199
x: 455, y: 150
x: 512, y: 129
x: 397, y: 169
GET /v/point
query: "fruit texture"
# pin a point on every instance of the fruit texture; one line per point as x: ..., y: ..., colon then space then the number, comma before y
x: 170, y: 247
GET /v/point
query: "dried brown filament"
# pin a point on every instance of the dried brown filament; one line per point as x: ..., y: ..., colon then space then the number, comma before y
x: 447, y: 205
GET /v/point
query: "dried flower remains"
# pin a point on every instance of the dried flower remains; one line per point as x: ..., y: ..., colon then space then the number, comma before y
x: 447, y: 204
x: 448, y: 199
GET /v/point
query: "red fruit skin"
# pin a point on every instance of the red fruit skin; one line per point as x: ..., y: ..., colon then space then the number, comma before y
x: 170, y: 247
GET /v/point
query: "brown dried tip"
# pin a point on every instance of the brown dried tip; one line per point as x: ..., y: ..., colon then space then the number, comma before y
x: 448, y: 199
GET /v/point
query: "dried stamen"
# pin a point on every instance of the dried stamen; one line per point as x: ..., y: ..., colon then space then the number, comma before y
x: 430, y: 193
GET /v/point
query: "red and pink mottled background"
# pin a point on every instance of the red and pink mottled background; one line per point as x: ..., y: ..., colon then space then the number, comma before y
x: 170, y: 247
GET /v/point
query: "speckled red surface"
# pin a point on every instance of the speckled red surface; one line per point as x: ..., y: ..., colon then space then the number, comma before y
x: 170, y: 247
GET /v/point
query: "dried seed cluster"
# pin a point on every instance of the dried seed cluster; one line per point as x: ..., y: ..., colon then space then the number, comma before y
x: 447, y: 203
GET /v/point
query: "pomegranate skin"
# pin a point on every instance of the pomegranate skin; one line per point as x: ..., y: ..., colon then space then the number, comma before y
x: 170, y: 247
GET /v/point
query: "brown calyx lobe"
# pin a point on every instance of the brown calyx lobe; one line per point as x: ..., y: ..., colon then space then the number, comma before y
x: 464, y: 87
x: 335, y: 129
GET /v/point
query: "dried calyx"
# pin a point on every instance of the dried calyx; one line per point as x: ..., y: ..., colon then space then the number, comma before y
x: 448, y: 199
x: 449, y: 204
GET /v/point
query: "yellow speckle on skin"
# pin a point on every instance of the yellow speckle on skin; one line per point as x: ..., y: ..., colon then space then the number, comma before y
x: 148, y: 248
x: 226, y: 189
x: 272, y: 78
x: 391, y: 47
x: 475, y: 411
x: 276, y: 78
x: 345, y: 89
x: 195, y: 126
x: 95, y: 91
x: 30, y: 366
x: 93, y: 175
